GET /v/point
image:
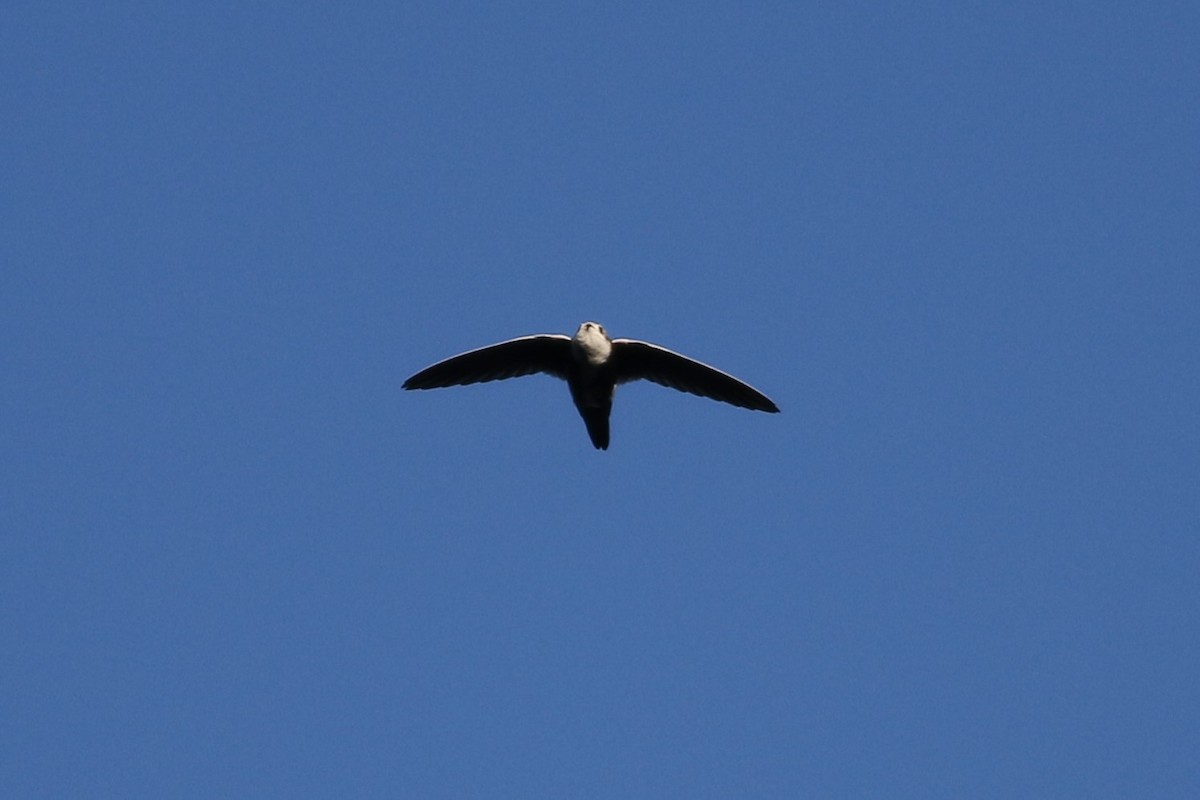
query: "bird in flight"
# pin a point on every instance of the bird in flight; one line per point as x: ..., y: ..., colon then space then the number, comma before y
x: 592, y: 364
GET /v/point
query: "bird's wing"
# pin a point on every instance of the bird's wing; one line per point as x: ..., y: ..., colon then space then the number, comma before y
x: 633, y: 360
x: 549, y: 352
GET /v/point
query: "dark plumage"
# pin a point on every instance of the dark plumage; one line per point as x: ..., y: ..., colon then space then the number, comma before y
x: 592, y: 365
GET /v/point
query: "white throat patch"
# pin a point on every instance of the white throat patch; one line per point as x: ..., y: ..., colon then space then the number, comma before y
x: 591, y: 343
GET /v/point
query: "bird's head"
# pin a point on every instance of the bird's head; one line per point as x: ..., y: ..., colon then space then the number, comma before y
x: 593, y: 342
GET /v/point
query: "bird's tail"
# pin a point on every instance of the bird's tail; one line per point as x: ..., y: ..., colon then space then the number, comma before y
x: 596, y: 420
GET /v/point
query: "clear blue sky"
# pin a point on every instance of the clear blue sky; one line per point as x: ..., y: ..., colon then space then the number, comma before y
x: 959, y: 245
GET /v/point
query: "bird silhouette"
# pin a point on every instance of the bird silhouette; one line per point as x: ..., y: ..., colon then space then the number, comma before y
x: 592, y: 364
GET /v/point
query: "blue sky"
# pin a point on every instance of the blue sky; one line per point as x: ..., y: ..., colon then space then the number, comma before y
x: 956, y: 244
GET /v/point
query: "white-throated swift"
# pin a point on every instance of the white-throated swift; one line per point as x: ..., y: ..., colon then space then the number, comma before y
x: 592, y: 365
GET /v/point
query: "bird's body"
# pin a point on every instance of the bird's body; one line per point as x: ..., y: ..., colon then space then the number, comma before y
x: 592, y: 364
x: 592, y: 380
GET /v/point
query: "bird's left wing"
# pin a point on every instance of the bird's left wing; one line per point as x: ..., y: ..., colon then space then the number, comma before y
x: 633, y: 360
x: 548, y: 352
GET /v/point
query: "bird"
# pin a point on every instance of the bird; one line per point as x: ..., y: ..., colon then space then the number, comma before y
x: 593, y: 365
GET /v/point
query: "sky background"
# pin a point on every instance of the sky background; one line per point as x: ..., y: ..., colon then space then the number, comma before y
x: 959, y: 245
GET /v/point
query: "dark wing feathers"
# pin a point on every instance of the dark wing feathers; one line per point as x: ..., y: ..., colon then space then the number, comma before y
x: 550, y: 353
x: 633, y: 360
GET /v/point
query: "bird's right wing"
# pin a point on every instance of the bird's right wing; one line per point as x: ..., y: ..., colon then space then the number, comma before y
x: 634, y: 360
x: 549, y: 353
